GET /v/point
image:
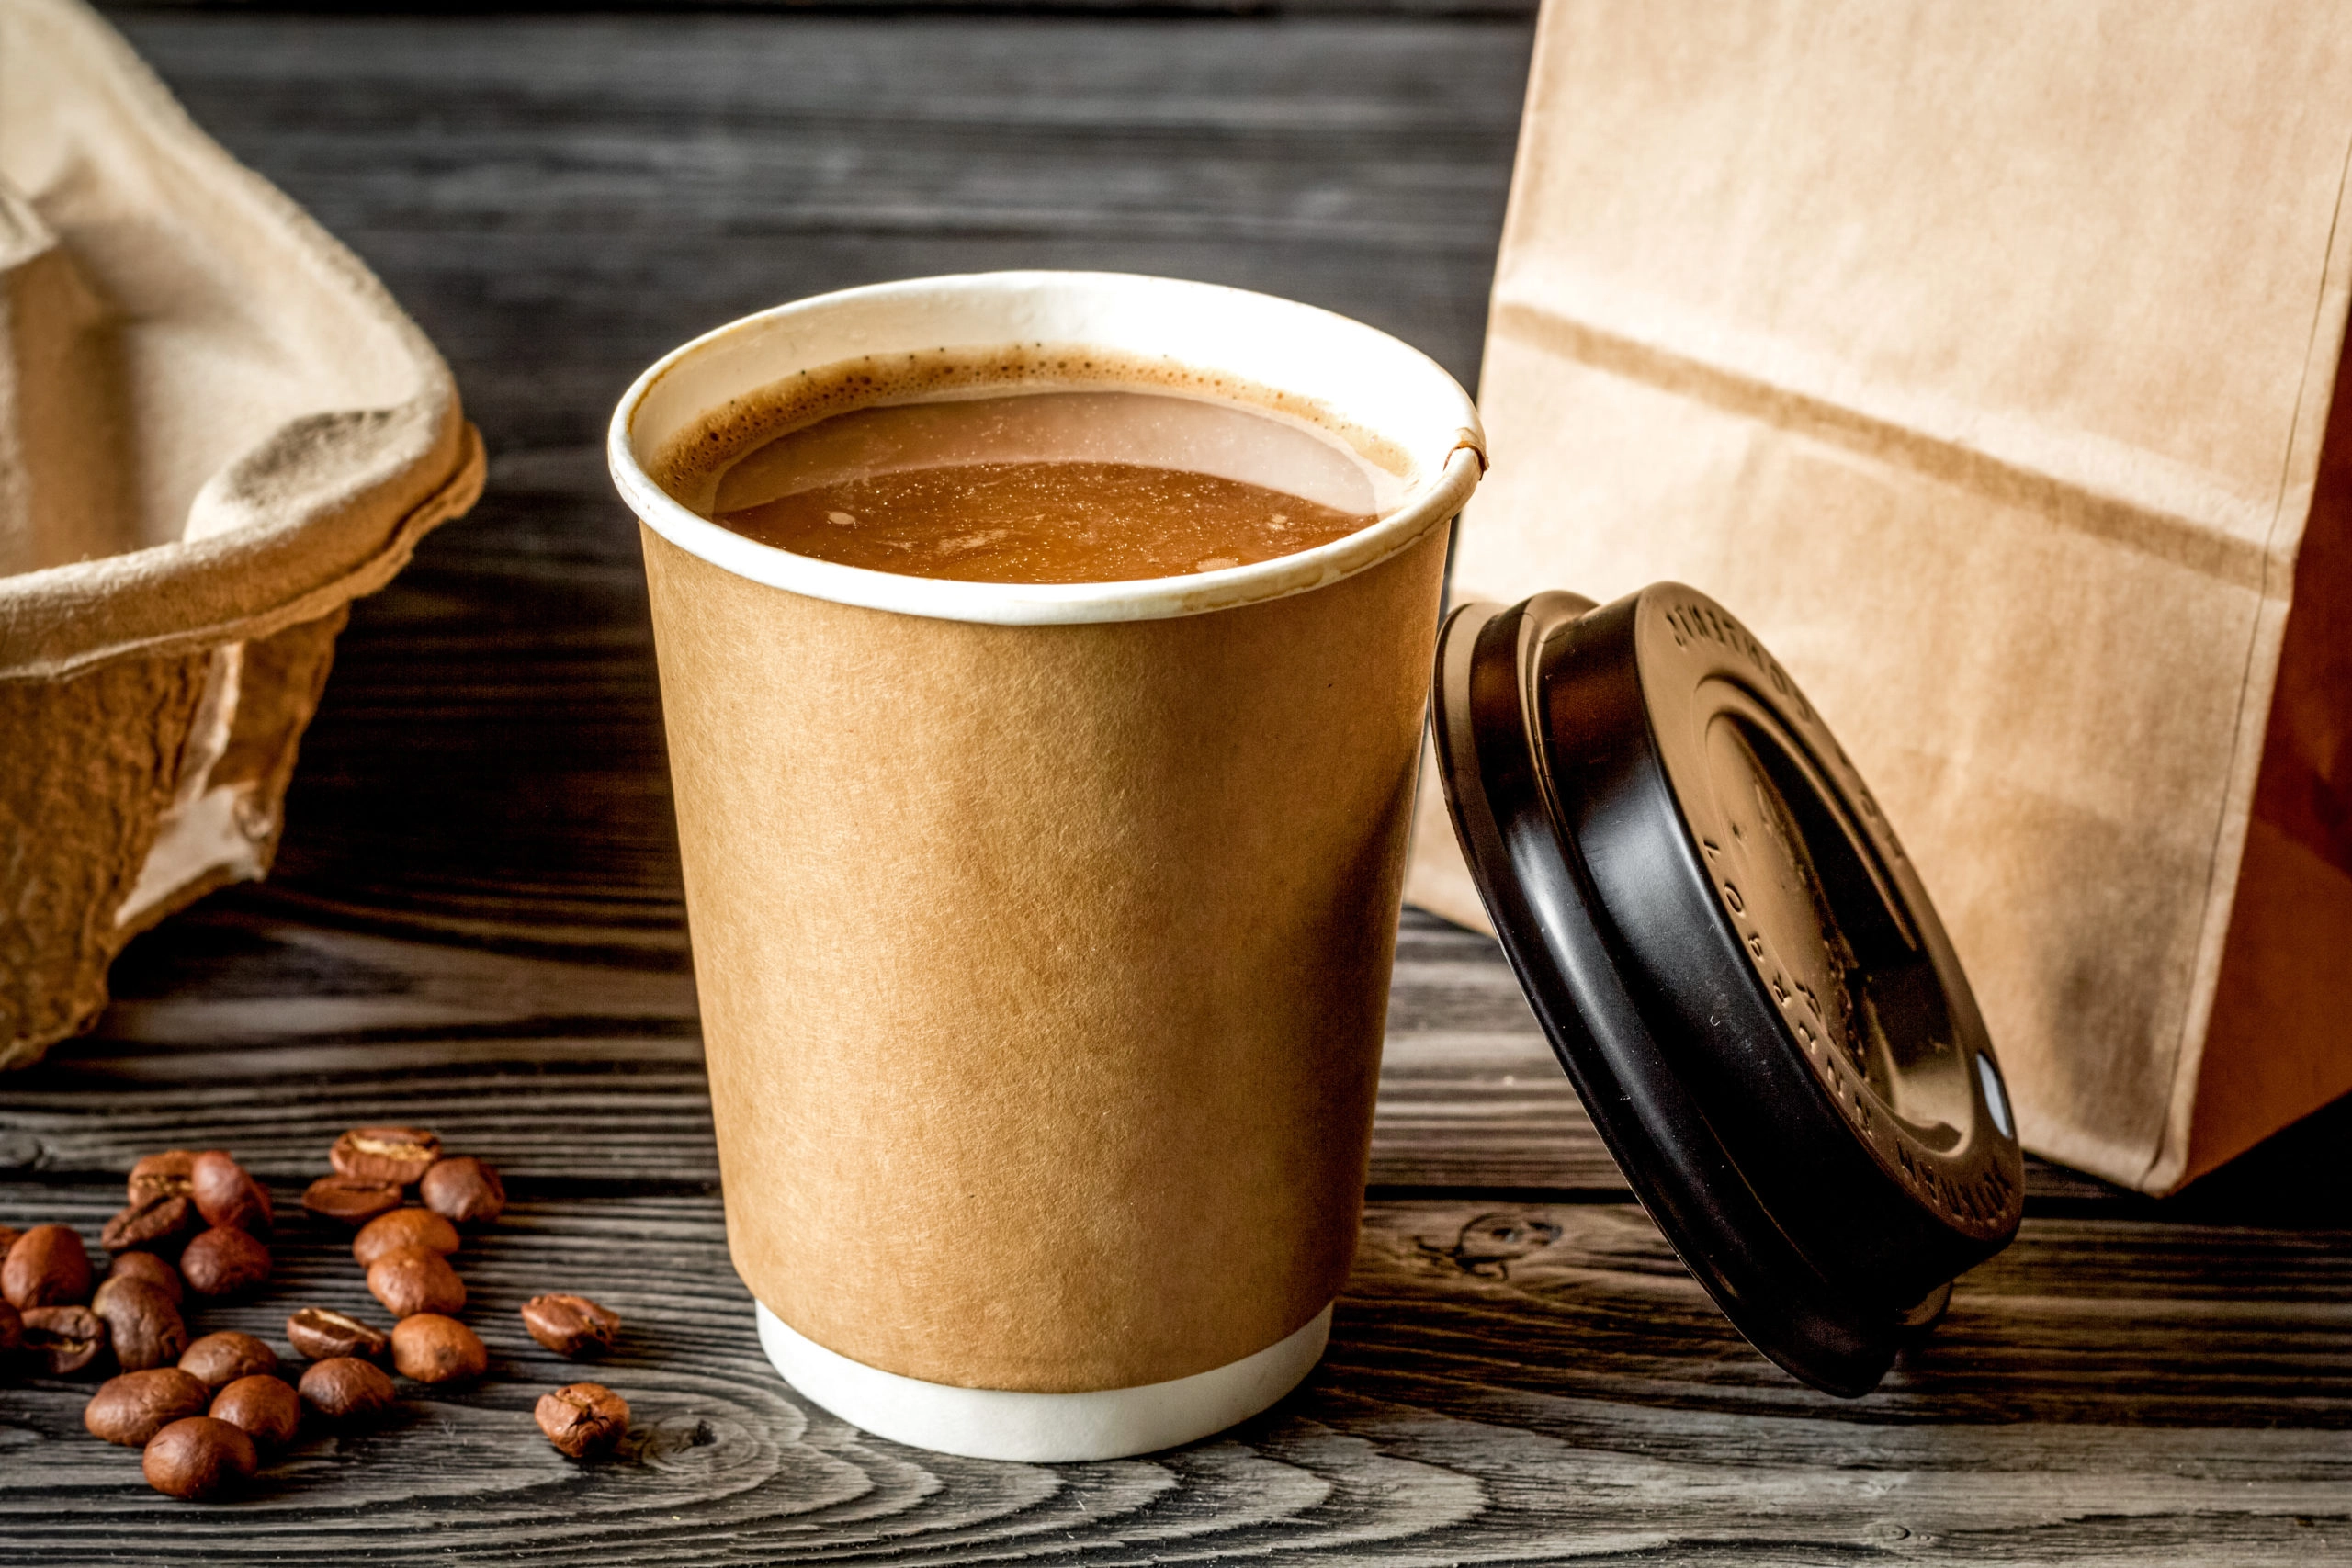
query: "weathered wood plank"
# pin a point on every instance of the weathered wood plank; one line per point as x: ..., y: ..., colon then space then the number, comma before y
x: 237, y: 1028
x: 557, y: 218
x: 2100, y: 1393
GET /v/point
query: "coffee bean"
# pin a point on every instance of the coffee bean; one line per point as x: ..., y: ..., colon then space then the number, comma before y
x: 403, y: 1227
x: 225, y: 1261
x: 410, y: 1280
x: 167, y: 1175
x: 571, y: 1326
x: 199, y: 1457
x: 227, y: 1194
x: 46, y: 1267
x: 353, y: 1203
x: 429, y: 1348
x: 12, y: 1332
x: 148, y: 1267
x: 346, y: 1390
x: 582, y: 1420
x: 111, y: 1288
x: 160, y: 1224
x: 66, y: 1339
x: 398, y: 1154
x: 266, y: 1408
x: 464, y: 1189
x: 142, y: 1324
x: 323, y: 1335
x: 133, y: 1407
x: 220, y: 1360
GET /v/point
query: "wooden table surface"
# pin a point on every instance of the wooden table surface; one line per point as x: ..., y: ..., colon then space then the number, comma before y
x: 476, y: 922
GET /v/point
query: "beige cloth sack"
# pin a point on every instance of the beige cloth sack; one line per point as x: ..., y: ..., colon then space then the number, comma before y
x: 1981, y: 358
x: 216, y: 429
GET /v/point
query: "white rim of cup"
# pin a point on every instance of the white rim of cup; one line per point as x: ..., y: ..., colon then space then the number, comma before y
x: 1448, y: 452
x: 1043, y: 1428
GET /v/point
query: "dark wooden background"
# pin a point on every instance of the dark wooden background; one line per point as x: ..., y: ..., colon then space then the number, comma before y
x: 476, y: 921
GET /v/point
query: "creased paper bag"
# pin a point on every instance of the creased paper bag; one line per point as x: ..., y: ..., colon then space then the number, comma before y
x: 1982, y: 357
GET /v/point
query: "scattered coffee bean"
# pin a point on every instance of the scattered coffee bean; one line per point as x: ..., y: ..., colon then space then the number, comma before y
x: 12, y: 1332
x: 148, y: 1267
x: 323, y: 1335
x: 198, y: 1421
x: 429, y: 1348
x: 353, y: 1203
x: 266, y: 1408
x: 167, y: 1175
x: 403, y: 1227
x: 571, y: 1326
x: 46, y: 1267
x: 346, y: 1390
x: 111, y: 1288
x: 225, y: 1261
x: 67, y: 1339
x: 464, y: 1189
x: 199, y: 1457
x: 220, y: 1360
x: 142, y: 1323
x: 582, y: 1420
x: 410, y: 1280
x: 227, y: 1194
x: 132, y: 1408
x: 160, y: 1224
x: 399, y: 1154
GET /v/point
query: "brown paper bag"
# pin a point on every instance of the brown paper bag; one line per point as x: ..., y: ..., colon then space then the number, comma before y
x: 1982, y: 358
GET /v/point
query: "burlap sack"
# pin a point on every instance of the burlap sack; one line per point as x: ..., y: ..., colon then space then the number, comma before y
x: 1981, y: 357
x: 216, y: 429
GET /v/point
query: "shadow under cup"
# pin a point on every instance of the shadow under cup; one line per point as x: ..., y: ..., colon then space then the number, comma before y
x: 1043, y: 932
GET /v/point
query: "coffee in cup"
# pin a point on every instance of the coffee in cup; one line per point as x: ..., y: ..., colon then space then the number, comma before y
x: 1068, y: 486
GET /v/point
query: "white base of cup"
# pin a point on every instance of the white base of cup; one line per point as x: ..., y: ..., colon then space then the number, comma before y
x: 1043, y: 1428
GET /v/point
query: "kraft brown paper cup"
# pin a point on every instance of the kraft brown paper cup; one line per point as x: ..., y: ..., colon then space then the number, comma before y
x: 1043, y: 932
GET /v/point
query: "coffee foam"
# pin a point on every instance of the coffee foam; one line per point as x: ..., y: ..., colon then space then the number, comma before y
x: 690, y: 465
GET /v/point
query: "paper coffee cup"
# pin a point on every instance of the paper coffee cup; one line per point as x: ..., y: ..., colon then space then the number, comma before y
x: 1043, y: 932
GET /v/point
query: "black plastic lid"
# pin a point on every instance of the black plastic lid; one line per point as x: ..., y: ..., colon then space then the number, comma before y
x: 1734, y: 962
